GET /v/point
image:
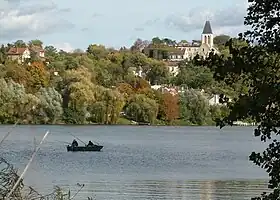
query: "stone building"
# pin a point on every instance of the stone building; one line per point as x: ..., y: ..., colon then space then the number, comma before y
x: 202, y: 47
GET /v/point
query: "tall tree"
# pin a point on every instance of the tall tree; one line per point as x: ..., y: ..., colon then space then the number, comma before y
x: 258, y: 66
x: 20, y: 44
x: 3, y: 54
x: 37, y: 43
x: 221, y: 39
x: 139, y: 45
x: 263, y: 18
x: 170, y: 106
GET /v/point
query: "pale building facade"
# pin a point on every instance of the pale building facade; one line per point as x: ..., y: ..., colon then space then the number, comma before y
x: 24, y: 53
x: 202, y: 48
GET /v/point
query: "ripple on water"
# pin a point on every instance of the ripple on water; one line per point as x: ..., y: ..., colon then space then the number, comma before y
x: 166, y: 189
x: 142, y: 162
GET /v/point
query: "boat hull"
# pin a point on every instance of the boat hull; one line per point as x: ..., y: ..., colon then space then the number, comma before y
x: 85, y: 148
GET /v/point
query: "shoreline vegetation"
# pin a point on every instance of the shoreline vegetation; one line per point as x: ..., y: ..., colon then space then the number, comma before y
x: 13, y: 187
x: 238, y: 123
x: 109, y: 86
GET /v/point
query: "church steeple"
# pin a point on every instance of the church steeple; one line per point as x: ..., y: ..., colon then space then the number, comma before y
x: 207, y: 35
x: 207, y: 28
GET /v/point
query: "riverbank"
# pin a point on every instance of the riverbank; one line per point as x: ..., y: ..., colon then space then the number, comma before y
x: 126, y: 122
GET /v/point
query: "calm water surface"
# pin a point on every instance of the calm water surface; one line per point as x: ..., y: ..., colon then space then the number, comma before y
x: 141, y: 162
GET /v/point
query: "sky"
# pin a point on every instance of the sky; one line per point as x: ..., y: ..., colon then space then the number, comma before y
x: 71, y: 24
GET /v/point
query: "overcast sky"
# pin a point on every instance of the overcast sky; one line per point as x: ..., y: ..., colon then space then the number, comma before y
x: 69, y: 24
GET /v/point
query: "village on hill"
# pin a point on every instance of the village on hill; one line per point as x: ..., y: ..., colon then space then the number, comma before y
x: 163, y: 65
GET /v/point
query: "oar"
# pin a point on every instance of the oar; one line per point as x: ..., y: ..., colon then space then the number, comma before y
x: 79, y: 139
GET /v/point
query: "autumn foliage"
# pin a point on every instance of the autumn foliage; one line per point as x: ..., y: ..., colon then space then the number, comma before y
x: 170, y: 106
x: 18, y: 74
x: 103, y: 86
x: 39, y: 74
x: 141, y: 84
x: 125, y: 89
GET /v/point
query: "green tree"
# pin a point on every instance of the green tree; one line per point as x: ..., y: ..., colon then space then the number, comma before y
x: 50, y: 105
x: 3, y: 54
x: 114, y: 102
x: 258, y: 66
x: 20, y: 44
x: 184, y: 41
x: 156, y: 40
x: 194, y: 107
x: 15, y: 103
x: 139, y: 44
x: 142, y: 109
x: 51, y: 52
x: 221, y: 40
x: 98, y: 112
x: 158, y: 73
x: 37, y: 43
x: 97, y: 51
x: 197, y: 77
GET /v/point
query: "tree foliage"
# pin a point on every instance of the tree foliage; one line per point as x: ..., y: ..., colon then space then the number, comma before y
x: 256, y: 66
x: 170, y: 107
x: 102, y: 85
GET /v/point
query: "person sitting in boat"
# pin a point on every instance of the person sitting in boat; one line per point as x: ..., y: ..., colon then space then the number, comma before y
x: 90, y: 143
x: 75, y: 143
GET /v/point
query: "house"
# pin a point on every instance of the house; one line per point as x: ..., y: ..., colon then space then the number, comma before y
x: 173, y: 67
x: 213, y: 99
x: 176, y: 55
x: 24, y: 53
x: 19, y: 54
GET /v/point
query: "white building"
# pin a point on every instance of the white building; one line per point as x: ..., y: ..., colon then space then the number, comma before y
x: 202, y: 48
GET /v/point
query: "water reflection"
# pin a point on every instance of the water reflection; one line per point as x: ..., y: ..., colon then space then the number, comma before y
x: 206, y: 190
x: 184, y: 190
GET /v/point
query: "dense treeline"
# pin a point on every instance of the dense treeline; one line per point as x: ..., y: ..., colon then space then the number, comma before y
x: 100, y: 86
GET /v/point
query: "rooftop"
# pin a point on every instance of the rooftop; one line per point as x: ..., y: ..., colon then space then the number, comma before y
x: 207, y: 28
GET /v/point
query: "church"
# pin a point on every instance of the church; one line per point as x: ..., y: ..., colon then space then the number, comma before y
x: 202, y: 47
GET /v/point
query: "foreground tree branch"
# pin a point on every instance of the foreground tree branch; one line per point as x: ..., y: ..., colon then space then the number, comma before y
x: 258, y: 67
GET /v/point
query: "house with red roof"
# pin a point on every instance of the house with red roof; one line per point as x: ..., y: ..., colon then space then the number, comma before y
x: 22, y: 53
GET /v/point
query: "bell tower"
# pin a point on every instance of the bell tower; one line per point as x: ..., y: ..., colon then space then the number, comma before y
x: 207, y: 35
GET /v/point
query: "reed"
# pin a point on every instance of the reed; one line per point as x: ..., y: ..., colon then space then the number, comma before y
x: 12, y: 186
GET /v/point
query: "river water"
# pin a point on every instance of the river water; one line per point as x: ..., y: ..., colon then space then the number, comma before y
x: 142, y: 162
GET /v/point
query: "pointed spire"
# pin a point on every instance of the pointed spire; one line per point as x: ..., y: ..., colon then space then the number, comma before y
x: 207, y: 28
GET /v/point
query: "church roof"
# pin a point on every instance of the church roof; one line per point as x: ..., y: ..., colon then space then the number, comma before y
x: 207, y: 28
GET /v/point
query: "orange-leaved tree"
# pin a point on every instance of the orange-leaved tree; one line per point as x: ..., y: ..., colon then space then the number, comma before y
x: 170, y: 106
x: 40, y: 76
